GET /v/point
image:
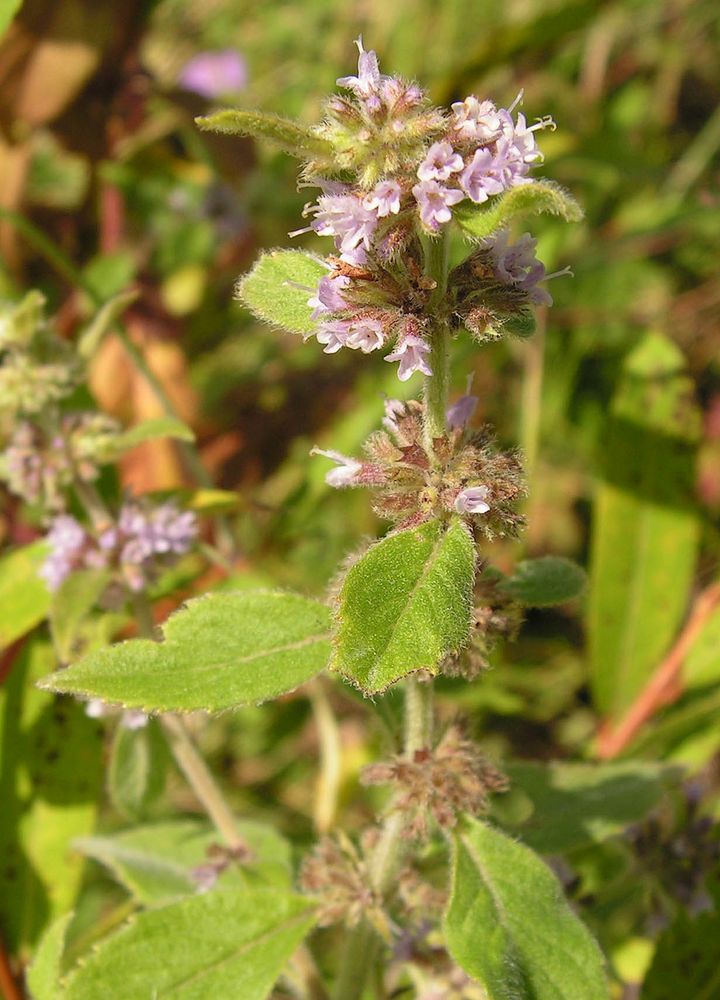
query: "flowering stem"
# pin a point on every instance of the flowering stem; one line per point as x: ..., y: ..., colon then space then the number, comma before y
x: 437, y: 385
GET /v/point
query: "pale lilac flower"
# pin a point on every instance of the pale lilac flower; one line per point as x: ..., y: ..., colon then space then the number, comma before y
x: 474, y: 119
x: 384, y: 199
x: 440, y: 162
x: 333, y: 336
x: 512, y: 261
x: 483, y: 176
x: 393, y: 408
x: 346, y: 472
x: 328, y: 297
x: 68, y: 547
x: 459, y: 414
x: 130, y: 719
x: 144, y: 537
x: 213, y: 74
x: 472, y: 500
x: 412, y: 353
x: 434, y: 202
x: 345, y: 218
x: 368, y: 83
x: 364, y: 334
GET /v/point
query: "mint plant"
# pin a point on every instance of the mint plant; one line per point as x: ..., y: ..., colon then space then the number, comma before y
x: 431, y: 898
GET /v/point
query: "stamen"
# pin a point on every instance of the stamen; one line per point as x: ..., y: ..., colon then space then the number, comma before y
x: 560, y: 274
x: 518, y: 100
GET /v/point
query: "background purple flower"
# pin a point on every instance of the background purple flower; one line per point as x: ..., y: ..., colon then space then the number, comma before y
x: 212, y: 74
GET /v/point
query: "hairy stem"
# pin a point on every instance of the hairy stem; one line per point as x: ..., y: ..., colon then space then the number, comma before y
x: 435, y: 393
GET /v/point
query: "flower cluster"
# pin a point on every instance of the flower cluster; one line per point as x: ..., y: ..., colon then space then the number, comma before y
x: 438, y: 784
x: 38, y: 465
x: 465, y: 474
x: 337, y: 874
x: 411, y: 164
x: 143, y: 540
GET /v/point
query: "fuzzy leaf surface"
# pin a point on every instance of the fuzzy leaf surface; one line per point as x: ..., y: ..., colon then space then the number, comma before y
x: 573, y: 805
x: 646, y: 527
x: 220, y: 651
x: 541, y: 583
x: 405, y: 604
x: 155, y: 862
x: 291, y: 136
x: 224, y: 944
x: 535, y: 198
x: 43, y: 975
x: 509, y: 926
x: 271, y: 289
x: 24, y: 596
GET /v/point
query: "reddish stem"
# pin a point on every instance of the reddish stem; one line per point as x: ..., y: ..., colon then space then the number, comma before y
x: 665, y: 685
x: 8, y: 986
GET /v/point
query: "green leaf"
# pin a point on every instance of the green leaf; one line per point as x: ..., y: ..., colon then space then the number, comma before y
x: 43, y: 975
x: 24, y: 596
x: 509, y: 927
x: 279, y: 286
x: 150, y: 430
x: 155, y: 862
x: 646, y: 527
x: 702, y: 663
x: 227, y: 945
x: 687, y: 959
x: 103, y: 322
x: 138, y: 768
x: 535, y: 198
x: 220, y: 651
x: 50, y: 781
x: 405, y: 604
x: 572, y: 805
x: 71, y: 603
x: 540, y: 583
x: 291, y: 136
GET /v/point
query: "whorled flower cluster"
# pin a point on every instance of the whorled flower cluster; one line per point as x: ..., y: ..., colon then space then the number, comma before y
x: 411, y: 164
x: 38, y: 465
x: 466, y: 473
x: 438, y: 784
x: 143, y: 540
x: 338, y: 876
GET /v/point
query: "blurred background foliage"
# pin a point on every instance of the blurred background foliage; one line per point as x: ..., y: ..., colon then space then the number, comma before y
x: 105, y: 183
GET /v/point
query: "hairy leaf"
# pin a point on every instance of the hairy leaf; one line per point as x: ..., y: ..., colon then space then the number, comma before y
x: 71, y: 604
x: 291, y: 136
x: 646, y: 527
x: 24, y: 596
x: 508, y: 925
x: 43, y: 975
x: 220, y: 651
x: 279, y: 286
x: 540, y: 583
x: 405, y: 604
x: 535, y: 198
x: 155, y: 862
x: 224, y: 944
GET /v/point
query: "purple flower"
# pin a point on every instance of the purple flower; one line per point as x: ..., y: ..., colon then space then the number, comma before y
x: 516, y: 264
x: 384, y: 199
x: 130, y: 719
x: 333, y: 336
x: 474, y: 119
x: 472, y: 500
x: 344, y: 217
x: 327, y: 298
x: 368, y: 83
x: 68, y: 544
x: 213, y: 74
x: 347, y: 471
x: 434, y: 202
x: 411, y: 353
x: 393, y: 408
x: 459, y: 414
x: 363, y: 333
x: 440, y: 162
x: 482, y: 177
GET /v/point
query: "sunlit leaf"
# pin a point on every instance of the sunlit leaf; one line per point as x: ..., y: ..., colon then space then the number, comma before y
x: 279, y: 286
x: 24, y: 596
x: 535, y: 198
x: 291, y: 136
